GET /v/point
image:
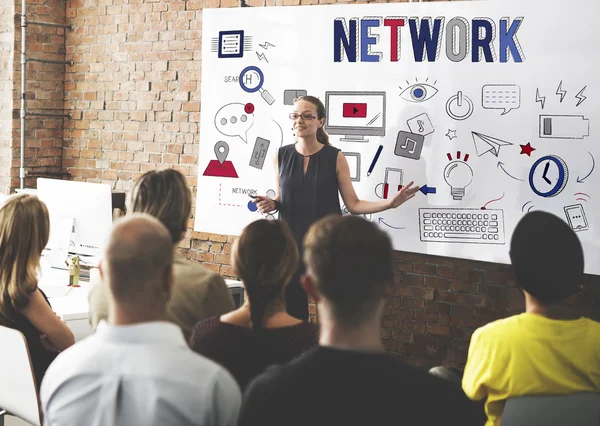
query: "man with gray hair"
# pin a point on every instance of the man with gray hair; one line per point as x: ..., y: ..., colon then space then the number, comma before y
x: 137, y: 368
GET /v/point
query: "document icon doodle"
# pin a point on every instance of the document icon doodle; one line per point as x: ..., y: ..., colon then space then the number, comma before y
x: 409, y: 145
x: 231, y: 44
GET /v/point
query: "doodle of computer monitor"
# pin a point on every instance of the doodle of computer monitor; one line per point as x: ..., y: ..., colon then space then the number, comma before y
x: 355, y: 115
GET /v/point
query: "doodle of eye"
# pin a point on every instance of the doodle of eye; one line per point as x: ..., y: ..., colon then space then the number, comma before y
x: 418, y: 92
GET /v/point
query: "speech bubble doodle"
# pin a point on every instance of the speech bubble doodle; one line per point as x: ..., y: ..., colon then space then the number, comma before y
x: 501, y: 96
x: 235, y: 119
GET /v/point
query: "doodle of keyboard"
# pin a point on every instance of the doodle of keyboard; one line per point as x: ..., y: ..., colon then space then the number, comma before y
x: 461, y: 225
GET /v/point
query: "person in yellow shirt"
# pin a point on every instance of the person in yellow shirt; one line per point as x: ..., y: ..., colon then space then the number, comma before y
x: 545, y: 350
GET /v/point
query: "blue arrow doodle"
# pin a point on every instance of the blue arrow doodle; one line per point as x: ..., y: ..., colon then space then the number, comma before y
x: 388, y: 225
x: 501, y: 165
x: 580, y: 180
x: 427, y: 190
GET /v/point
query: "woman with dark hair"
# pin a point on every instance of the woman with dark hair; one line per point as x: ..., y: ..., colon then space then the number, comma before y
x: 260, y: 333
x: 310, y: 176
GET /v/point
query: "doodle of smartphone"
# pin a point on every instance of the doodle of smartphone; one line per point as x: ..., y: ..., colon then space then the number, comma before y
x: 576, y: 217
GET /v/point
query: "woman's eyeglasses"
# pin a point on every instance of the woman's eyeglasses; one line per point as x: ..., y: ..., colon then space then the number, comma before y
x: 306, y: 116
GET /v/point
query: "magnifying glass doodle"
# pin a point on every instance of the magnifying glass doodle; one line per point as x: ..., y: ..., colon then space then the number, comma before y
x: 251, y: 80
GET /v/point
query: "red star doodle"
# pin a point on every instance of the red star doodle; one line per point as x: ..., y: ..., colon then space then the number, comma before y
x: 527, y: 149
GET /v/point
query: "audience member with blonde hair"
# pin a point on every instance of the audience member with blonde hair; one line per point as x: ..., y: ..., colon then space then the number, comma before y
x: 197, y: 293
x: 137, y: 369
x: 349, y: 379
x: 24, y: 232
x: 260, y: 332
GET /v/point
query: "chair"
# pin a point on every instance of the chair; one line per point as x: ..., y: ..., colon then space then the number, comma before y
x: 18, y: 390
x: 579, y: 409
x: 447, y: 373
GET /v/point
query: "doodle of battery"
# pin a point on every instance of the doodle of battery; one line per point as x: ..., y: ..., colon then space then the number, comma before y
x: 564, y: 126
x: 576, y: 217
x: 393, y: 177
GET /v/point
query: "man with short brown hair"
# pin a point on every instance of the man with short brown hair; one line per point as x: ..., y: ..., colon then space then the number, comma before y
x: 349, y: 379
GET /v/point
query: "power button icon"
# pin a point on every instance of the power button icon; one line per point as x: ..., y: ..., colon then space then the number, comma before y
x: 459, y: 106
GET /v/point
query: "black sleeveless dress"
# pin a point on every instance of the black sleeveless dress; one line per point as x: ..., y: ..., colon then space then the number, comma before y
x: 305, y: 198
x: 40, y: 357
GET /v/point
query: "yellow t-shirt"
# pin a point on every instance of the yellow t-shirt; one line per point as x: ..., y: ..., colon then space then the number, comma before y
x: 530, y: 354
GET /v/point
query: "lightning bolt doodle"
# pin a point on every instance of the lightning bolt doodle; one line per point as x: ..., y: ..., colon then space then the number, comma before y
x: 266, y: 45
x: 560, y: 91
x: 580, y: 96
x: 262, y: 56
x: 540, y: 99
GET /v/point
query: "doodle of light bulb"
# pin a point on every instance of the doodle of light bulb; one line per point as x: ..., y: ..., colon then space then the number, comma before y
x: 458, y: 175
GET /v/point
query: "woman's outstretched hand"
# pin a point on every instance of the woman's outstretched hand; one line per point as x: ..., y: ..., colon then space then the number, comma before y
x: 264, y: 204
x: 405, y: 194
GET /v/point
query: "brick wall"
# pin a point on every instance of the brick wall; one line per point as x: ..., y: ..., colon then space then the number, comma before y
x: 7, y: 28
x: 439, y: 302
x: 134, y: 92
x: 44, y: 88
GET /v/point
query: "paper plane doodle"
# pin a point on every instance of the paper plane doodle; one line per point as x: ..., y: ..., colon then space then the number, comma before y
x: 485, y: 143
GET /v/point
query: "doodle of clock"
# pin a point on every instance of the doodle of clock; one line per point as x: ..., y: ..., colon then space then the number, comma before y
x: 548, y: 176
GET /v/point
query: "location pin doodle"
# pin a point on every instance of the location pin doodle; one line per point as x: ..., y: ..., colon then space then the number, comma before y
x: 221, y: 151
x: 220, y: 167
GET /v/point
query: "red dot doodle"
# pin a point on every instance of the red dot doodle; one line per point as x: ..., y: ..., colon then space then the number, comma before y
x: 249, y: 108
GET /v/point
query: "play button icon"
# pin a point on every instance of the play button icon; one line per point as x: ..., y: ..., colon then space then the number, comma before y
x: 354, y: 110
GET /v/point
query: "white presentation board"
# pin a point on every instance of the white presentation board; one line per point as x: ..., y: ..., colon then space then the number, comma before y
x: 490, y: 106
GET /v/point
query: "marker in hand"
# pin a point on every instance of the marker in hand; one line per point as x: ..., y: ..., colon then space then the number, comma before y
x: 262, y: 202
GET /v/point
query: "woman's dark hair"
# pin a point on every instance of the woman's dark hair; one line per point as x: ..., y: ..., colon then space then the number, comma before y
x: 322, y: 135
x: 265, y: 257
x: 547, y: 257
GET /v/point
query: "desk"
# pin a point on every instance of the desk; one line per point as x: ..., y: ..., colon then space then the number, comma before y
x: 72, y: 305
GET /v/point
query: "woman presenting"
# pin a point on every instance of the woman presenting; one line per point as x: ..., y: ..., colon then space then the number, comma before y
x: 309, y: 175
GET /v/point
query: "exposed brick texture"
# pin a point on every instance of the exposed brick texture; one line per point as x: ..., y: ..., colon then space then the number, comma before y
x: 44, y: 88
x: 7, y: 28
x: 134, y: 92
